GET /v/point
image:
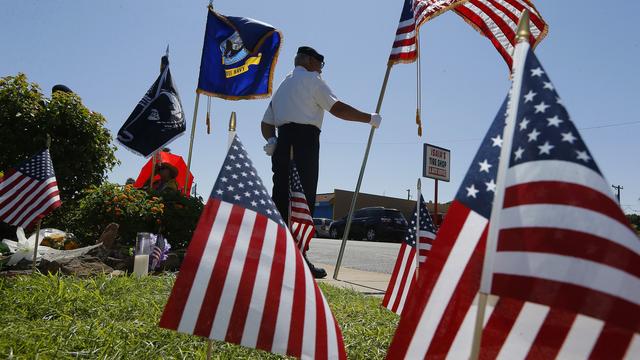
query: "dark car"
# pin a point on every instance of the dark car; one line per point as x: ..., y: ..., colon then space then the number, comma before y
x: 373, y: 224
x: 322, y: 226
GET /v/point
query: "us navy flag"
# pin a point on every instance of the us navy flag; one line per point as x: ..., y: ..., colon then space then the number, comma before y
x: 157, y: 119
x: 238, y: 57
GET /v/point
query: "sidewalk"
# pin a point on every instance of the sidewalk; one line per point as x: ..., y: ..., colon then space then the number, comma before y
x: 365, y: 282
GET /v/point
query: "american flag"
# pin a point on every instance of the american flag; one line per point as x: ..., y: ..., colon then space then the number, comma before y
x: 561, y: 237
x: 403, y: 276
x: 300, y: 220
x: 29, y: 191
x: 160, y: 248
x: 438, y: 318
x: 243, y: 280
x: 498, y: 21
x: 415, y: 13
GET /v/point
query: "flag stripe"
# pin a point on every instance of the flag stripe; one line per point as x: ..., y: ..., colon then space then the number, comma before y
x: 557, y: 171
x: 570, y: 218
x: 458, y: 301
x: 634, y: 348
x: 321, y: 346
x: 524, y: 331
x: 182, y: 288
x: 263, y: 275
x: 46, y: 205
x: 311, y: 323
x: 581, y: 338
x: 232, y: 277
x: 13, y: 194
x: 296, y: 327
x: 405, y: 273
x: 22, y: 198
x: 612, y: 343
x: 498, y: 327
x: 287, y: 291
x: 562, y: 242
x: 32, y: 204
x: 272, y: 308
x: 7, y: 181
x: 447, y: 278
x: 390, y: 296
x: 566, y: 295
x: 560, y: 193
x: 244, y: 297
x: 551, y: 335
x: 218, y: 275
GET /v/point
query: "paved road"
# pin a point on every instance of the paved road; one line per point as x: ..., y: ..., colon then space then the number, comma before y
x: 361, y: 255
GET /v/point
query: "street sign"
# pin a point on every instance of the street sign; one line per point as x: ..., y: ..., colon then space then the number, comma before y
x: 436, y: 162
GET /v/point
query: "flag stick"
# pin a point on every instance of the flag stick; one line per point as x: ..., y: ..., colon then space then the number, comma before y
x: 519, y: 57
x: 209, y: 349
x: 193, y: 134
x: 364, y: 164
x: 35, y: 246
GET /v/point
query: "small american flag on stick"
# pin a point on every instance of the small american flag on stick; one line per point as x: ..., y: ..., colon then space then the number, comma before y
x: 300, y: 220
x: 29, y: 191
x: 558, y: 236
x: 403, y: 276
x: 244, y: 281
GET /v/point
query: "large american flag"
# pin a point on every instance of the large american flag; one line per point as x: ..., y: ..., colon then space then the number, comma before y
x: 29, y: 191
x: 243, y: 280
x: 438, y: 318
x: 300, y: 220
x: 403, y: 275
x: 498, y: 21
x: 415, y: 13
x: 561, y: 237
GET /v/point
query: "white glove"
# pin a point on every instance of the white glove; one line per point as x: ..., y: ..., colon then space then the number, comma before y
x: 270, y: 148
x: 375, y: 121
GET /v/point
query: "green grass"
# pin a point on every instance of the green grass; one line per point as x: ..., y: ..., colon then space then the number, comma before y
x: 58, y: 317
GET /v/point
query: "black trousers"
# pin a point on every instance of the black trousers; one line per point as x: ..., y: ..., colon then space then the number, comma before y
x: 305, y: 142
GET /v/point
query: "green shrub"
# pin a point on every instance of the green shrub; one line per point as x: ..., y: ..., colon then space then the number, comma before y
x: 135, y: 211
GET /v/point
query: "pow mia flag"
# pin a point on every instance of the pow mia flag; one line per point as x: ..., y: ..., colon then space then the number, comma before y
x: 157, y: 119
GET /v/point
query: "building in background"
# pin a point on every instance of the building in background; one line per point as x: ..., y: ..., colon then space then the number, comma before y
x: 335, y: 205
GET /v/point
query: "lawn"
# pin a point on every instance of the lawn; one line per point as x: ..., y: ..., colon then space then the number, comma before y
x: 58, y: 317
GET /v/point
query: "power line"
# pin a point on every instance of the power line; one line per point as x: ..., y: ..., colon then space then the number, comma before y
x: 469, y: 139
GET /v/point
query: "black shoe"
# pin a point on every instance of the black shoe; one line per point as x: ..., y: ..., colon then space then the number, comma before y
x: 318, y: 273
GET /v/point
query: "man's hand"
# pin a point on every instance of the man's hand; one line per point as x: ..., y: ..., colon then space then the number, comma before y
x: 270, y: 147
x: 375, y: 121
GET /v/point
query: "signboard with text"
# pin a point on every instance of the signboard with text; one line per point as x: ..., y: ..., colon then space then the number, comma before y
x: 436, y: 162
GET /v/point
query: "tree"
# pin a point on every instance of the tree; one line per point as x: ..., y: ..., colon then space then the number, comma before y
x: 81, y: 147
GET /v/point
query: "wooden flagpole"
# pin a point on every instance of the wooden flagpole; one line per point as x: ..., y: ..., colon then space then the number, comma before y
x: 522, y: 36
x: 364, y: 164
x: 193, y: 133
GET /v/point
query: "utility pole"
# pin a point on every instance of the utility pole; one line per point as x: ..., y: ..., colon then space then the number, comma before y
x: 408, y: 194
x: 617, y: 188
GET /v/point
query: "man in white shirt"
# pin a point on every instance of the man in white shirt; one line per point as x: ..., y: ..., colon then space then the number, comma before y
x: 296, y: 111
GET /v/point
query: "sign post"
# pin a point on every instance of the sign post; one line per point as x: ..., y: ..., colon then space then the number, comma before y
x: 436, y: 164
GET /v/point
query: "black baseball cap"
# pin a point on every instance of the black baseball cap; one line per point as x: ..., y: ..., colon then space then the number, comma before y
x: 311, y: 52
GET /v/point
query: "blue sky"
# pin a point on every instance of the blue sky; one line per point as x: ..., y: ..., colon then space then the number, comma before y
x: 109, y: 52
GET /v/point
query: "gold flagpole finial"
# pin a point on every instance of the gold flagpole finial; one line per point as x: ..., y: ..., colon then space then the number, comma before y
x: 523, y: 32
x: 232, y: 121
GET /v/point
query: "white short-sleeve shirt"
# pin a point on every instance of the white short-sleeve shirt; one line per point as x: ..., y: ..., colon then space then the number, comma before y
x: 301, y: 98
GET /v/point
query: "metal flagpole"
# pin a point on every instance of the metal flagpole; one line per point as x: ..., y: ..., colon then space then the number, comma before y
x: 364, y: 164
x: 232, y: 129
x: 193, y: 133
x: 418, y: 206
x: 519, y: 56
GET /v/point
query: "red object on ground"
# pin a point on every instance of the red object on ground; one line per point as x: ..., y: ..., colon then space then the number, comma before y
x: 165, y: 157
